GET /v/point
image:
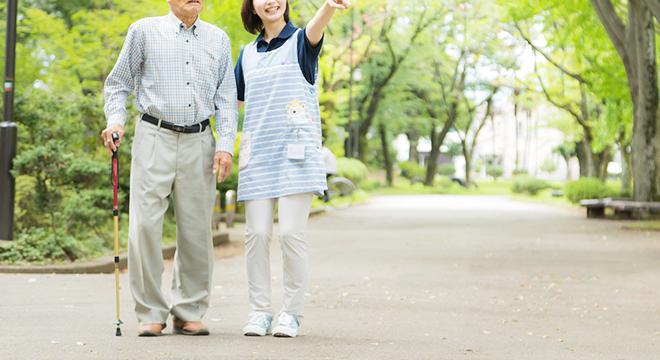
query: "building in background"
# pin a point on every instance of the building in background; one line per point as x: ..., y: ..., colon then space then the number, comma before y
x: 526, y: 143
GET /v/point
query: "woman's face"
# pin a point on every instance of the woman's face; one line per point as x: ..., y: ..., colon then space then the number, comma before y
x: 270, y: 11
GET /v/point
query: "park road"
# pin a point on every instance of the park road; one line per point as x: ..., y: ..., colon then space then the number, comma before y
x: 400, y: 277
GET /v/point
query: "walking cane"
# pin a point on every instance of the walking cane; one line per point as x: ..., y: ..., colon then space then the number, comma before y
x: 115, y: 214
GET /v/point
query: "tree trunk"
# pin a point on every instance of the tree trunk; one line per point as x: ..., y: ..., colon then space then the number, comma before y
x: 413, y: 139
x: 432, y: 164
x: 437, y: 138
x: 591, y: 159
x: 635, y: 44
x: 568, y: 167
x: 389, y: 171
x: 362, y: 148
x: 515, y: 117
x: 646, y: 128
x: 602, y: 161
x: 583, y: 162
x: 626, y: 168
x: 468, y: 162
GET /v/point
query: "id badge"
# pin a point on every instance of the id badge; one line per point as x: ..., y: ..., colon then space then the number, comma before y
x: 295, y: 152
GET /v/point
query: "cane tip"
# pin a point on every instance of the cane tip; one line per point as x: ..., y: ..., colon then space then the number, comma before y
x: 118, y: 332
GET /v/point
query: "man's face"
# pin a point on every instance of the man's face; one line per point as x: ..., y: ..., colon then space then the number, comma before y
x: 186, y: 7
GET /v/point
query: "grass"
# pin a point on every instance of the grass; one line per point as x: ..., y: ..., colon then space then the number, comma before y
x: 545, y: 197
x: 403, y: 186
x: 651, y: 225
x: 358, y: 197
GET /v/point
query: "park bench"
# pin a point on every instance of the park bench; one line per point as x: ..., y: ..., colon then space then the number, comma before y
x: 623, y: 208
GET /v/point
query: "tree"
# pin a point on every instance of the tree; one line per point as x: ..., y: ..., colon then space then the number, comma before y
x: 468, y: 131
x: 396, y: 40
x: 635, y: 43
x: 567, y: 151
x: 576, y: 74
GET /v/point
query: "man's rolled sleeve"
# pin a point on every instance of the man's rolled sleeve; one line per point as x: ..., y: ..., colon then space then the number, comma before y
x: 226, y: 114
x: 121, y: 81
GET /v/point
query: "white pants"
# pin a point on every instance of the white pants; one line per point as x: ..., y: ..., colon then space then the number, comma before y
x: 166, y: 163
x: 293, y: 215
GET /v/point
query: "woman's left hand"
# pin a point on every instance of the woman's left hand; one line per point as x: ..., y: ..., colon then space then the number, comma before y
x: 339, y: 4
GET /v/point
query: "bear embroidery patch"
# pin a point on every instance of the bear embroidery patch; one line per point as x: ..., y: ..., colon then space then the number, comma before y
x: 296, y: 113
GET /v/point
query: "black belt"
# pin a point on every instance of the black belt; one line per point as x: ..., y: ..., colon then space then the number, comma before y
x: 187, y: 129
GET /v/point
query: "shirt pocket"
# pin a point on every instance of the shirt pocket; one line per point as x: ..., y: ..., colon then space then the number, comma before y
x: 209, y: 71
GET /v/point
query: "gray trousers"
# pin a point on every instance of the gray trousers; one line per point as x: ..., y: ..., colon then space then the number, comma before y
x: 169, y: 163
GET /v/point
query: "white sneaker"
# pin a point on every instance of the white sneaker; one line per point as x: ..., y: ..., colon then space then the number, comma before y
x: 259, y: 324
x: 287, y: 326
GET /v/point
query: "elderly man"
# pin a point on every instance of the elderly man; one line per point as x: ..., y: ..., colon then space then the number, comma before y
x: 181, y: 70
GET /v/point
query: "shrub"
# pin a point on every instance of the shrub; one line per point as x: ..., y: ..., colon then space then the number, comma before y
x: 519, y: 171
x: 549, y: 166
x: 495, y: 171
x: 412, y: 170
x: 529, y: 185
x: 369, y: 185
x: 587, y: 188
x: 62, y: 200
x: 443, y: 182
x: 352, y: 169
x: 446, y: 169
x: 42, y: 245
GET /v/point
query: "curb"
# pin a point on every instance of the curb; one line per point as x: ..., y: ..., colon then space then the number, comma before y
x: 98, y: 266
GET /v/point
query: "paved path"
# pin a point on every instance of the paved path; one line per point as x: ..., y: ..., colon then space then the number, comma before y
x: 428, y: 277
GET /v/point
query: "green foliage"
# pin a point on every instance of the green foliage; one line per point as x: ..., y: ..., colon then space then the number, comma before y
x: 571, y: 35
x: 496, y: 171
x: 65, y: 51
x: 446, y: 169
x: 411, y: 170
x: 67, y: 48
x: 61, y: 204
x: 529, y: 185
x: 587, y: 188
x: 41, y: 245
x: 549, y: 166
x: 519, y: 172
x: 352, y: 169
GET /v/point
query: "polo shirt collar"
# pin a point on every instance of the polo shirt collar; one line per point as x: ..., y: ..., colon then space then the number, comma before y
x: 286, y: 33
x: 178, y: 25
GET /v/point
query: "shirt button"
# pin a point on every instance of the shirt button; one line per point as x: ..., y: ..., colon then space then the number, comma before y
x: 189, y: 105
x: 187, y: 62
x: 187, y: 83
x: 187, y: 41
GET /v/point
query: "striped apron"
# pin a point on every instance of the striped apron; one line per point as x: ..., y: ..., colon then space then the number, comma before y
x: 280, y: 150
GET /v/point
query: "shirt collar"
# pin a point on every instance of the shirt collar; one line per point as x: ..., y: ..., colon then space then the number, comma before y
x: 178, y: 25
x: 286, y: 33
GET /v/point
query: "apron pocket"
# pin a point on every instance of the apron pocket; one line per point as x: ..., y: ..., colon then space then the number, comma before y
x: 245, y: 151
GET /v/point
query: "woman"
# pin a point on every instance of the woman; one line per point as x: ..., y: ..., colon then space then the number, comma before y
x: 280, y: 155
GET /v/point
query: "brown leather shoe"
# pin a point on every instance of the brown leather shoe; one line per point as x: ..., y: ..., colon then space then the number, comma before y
x: 150, y: 330
x: 194, y: 328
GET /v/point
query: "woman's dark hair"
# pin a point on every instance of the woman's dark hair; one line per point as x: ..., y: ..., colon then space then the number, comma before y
x: 251, y: 21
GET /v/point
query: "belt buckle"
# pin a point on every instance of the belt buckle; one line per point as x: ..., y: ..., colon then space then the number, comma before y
x: 178, y: 128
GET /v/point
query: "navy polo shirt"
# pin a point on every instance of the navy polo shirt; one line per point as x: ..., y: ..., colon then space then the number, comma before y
x: 308, y: 55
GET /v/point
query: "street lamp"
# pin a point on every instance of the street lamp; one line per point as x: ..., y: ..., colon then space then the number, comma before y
x: 8, y: 130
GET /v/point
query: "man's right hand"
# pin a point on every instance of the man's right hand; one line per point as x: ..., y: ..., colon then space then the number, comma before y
x: 106, y: 135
